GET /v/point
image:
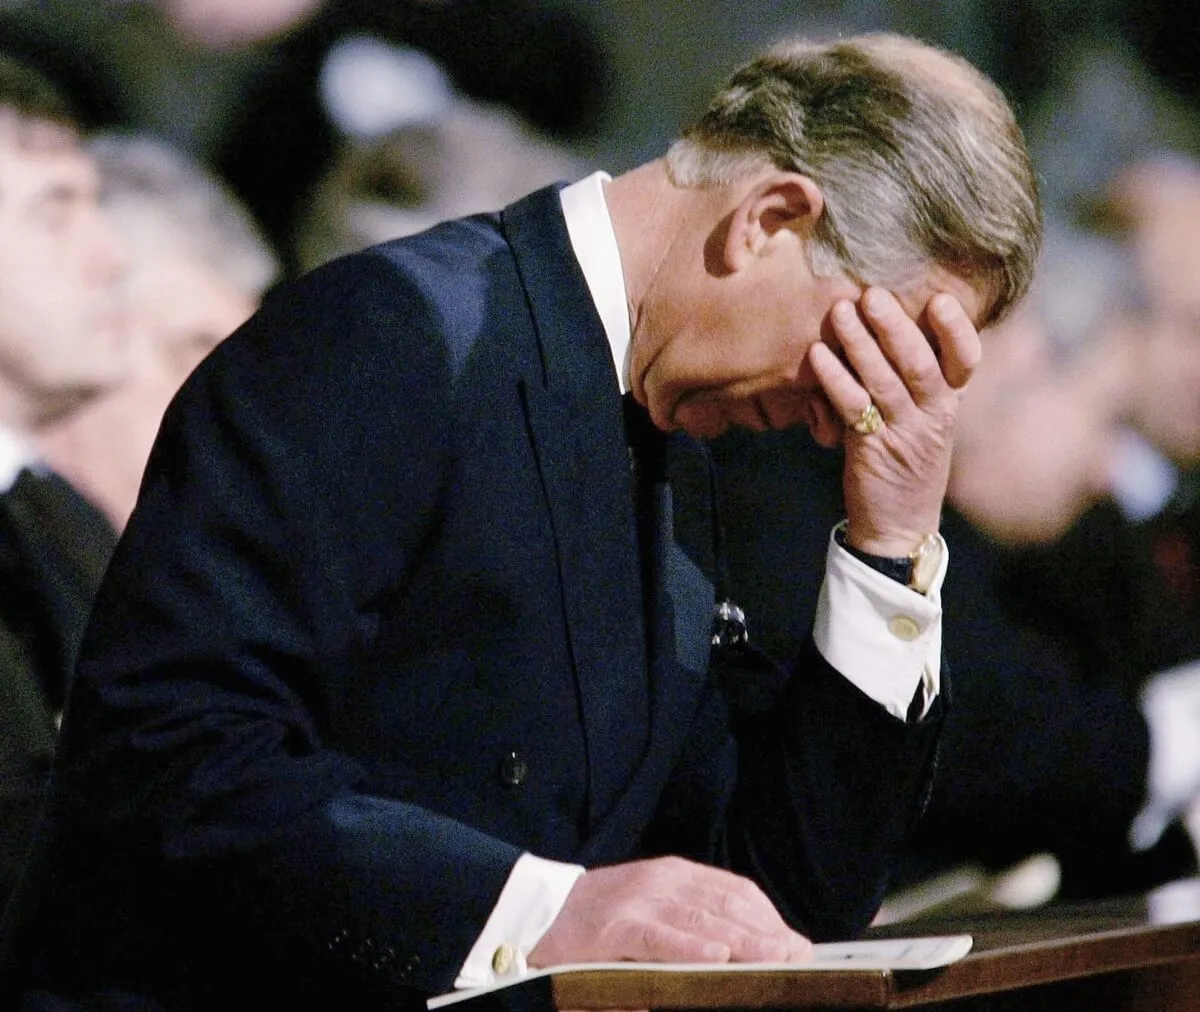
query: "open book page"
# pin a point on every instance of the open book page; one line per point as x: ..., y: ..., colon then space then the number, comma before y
x: 874, y: 954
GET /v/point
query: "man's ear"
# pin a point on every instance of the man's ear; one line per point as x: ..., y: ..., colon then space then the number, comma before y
x: 777, y: 202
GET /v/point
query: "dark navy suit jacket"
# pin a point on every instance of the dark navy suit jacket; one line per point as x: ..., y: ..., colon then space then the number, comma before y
x: 54, y: 546
x: 382, y: 620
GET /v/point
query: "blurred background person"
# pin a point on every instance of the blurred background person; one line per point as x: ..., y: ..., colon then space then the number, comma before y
x: 1139, y: 554
x: 264, y: 91
x: 1124, y: 583
x: 198, y: 266
x: 456, y: 157
x: 1050, y: 750
x: 62, y: 344
x: 1158, y: 200
x: 1042, y: 752
x: 1165, y: 203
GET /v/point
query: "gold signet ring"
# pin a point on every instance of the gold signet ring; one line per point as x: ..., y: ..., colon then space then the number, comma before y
x: 869, y: 422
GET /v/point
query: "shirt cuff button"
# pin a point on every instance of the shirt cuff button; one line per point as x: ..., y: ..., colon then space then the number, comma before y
x: 904, y: 628
x: 503, y: 959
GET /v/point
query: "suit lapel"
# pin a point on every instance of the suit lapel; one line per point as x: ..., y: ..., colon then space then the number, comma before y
x: 633, y: 726
x: 574, y: 413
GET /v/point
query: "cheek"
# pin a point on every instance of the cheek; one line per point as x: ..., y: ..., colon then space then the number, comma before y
x: 23, y: 279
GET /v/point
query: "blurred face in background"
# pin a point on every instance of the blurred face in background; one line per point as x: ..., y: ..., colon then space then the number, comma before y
x: 229, y: 24
x: 1166, y: 400
x: 1161, y: 203
x: 62, y: 337
x: 1037, y: 442
x: 1166, y: 364
x: 179, y: 310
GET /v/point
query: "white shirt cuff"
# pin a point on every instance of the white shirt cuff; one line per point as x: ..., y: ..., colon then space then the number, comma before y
x: 1171, y: 705
x: 530, y: 901
x: 883, y: 637
x: 1191, y: 822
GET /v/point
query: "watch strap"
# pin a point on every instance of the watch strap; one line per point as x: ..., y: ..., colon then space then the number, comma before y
x: 899, y: 569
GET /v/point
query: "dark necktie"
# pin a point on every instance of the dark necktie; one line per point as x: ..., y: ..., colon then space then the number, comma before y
x: 697, y: 516
x: 647, y: 446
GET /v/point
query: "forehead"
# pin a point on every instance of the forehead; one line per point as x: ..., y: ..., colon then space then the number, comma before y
x: 37, y: 156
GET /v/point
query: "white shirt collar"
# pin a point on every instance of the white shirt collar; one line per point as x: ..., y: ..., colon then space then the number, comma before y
x: 590, y: 228
x: 15, y: 454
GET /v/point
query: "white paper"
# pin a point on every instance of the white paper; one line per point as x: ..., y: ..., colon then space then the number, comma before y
x: 927, y: 953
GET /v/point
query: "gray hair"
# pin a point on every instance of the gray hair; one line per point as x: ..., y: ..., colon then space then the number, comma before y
x: 918, y: 156
x: 164, y: 202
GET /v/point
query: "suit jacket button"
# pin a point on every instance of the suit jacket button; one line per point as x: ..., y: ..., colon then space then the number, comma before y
x: 514, y: 768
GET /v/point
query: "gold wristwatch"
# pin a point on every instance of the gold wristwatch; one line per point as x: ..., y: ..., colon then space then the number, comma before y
x: 915, y: 570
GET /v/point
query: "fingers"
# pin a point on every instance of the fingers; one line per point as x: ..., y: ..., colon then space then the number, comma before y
x: 735, y: 911
x: 687, y: 934
x: 720, y: 916
x: 958, y: 340
x: 908, y: 356
x: 889, y: 359
x: 848, y: 395
x: 668, y: 910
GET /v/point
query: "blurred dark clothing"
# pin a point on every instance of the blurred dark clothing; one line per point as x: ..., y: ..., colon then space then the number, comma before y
x: 1125, y: 594
x: 54, y: 547
x: 1042, y: 750
x: 257, y: 116
x: 540, y: 63
x: 34, y: 35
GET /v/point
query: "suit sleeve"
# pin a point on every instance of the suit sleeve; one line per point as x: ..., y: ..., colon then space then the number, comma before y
x: 830, y: 787
x: 293, y: 484
x: 822, y: 787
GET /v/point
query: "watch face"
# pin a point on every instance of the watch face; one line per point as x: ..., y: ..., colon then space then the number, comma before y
x: 925, y: 562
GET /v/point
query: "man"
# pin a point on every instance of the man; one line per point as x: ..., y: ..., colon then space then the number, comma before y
x: 1043, y: 752
x: 61, y: 343
x: 197, y: 269
x: 399, y: 678
x: 1139, y: 555
x: 452, y: 158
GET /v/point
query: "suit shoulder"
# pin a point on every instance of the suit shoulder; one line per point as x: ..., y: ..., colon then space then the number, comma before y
x: 447, y: 283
